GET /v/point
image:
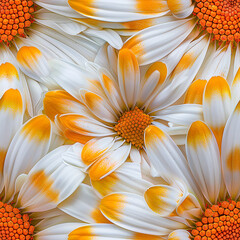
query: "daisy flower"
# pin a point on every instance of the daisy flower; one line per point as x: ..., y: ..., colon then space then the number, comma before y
x: 218, y: 99
x: 199, y: 192
x: 109, y: 110
x: 31, y: 33
x: 185, y: 22
x: 32, y: 181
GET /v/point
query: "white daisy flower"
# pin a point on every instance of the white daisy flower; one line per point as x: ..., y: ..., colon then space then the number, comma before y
x: 198, y: 197
x: 111, y: 109
x: 32, y: 181
x: 169, y: 37
x: 31, y: 33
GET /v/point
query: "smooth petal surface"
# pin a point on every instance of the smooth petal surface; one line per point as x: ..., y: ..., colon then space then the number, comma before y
x: 130, y: 211
x: 204, y: 160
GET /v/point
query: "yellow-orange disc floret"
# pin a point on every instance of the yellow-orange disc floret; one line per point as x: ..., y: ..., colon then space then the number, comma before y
x: 221, y: 221
x: 14, y: 225
x: 220, y: 18
x: 131, y: 126
x: 15, y: 16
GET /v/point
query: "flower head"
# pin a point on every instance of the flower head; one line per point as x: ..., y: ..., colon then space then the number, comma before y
x: 110, y: 110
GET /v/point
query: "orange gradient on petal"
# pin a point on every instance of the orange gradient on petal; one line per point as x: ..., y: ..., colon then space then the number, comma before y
x: 98, y: 216
x: 199, y: 135
x: 138, y: 24
x: 217, y: 86
x: 12, y: 101
x: 194, y: 94
x: 44, y: 184
x: 28, y: 56
x: 2, y: 159
x: 58, y: 102
x: 105, y: 186
x: 135, y: 45
x: 161, y: 68
x: 150, y: 6
x: 37, y: 129
x: 85, y: 232
x: 8, y: 71
x: 112, y: 206
x: 233, y: 160
x: 153, y: 134
x: 85, y: 7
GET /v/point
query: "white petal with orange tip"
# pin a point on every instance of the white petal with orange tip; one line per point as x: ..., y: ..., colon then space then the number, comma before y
x: 231, y: 154
x: 30, y: 143
x: 204, y: 160
x: 99, y: 106
x: 128, y: 77
x: 153, y: 81
x: 83, y: 204
x: 235, y: 88
x: 83, y: 125
x: 163, y: 199
x: 194, y: 94
x: 32, y: 62
x: 11, y: 118
x: 9, y: 78
x: 183, y: 74
x: 112, y: 90
x: 95, y: 148
x: 217, y: 105
x: 115, y: 11
x: 49, y: 182
x: 57, y: 231
x: 109, y: 162
x: 165, y: 156
x: 179, y: 235
x: 131, y: 212
x: 181, y: 8
x: 189, y: 207
x: 60, y: 102
x: 107, y: 232
x: 127, y: 178
x: 154, y: 43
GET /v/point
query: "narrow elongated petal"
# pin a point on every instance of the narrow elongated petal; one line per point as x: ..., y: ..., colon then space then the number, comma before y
x: 128, y: 76
x: 130, y: 211
x: 118, y: 11
x: 50, y: 182
x: 28, y: 146
x: 109, y: 162
x: 204, y: 160
x: 217, y: 105
x: 127, y: 178
x: 231, y: 154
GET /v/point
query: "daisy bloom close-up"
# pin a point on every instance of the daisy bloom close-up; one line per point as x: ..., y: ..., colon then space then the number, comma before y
x: 217, y: 21
x: 110, y: 108
x: 32, y: 181
x: 198, y: 196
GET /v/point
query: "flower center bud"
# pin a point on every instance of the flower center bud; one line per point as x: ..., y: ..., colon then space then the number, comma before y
x: 14, y: 225
x: 131, y: 126
x: 220, y: 221
x: 15, y: 16
x: 221, y: 18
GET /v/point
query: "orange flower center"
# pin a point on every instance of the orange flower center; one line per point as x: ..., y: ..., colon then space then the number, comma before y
x: 221, y: 221
x: 15, y: 16
x: 14, y: 225
x: 131, y: 126
x: 220, y: 18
